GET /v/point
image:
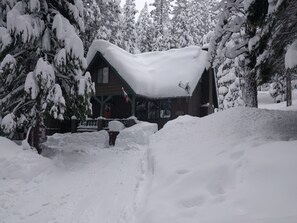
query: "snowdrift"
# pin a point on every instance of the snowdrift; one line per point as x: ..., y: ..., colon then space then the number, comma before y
x: 16, y: 163
x: 136, y: 135
x: 86, y: 142
x: 234, y: 166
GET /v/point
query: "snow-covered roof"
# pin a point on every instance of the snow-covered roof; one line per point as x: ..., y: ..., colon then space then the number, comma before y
x: 155, y: 74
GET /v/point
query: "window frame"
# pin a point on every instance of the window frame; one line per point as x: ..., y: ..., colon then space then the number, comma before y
x: 103, y: 75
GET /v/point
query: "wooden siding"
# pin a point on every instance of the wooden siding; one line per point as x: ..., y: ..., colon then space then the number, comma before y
x: 114, y: 87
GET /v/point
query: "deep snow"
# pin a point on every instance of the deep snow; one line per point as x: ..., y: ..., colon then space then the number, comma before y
x: 234, y: 166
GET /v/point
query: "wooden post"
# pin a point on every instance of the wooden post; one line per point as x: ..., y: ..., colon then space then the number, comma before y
x: 133, y: 105
x: 73, y: 124
x: 99, y: 124
x: 210, y: 91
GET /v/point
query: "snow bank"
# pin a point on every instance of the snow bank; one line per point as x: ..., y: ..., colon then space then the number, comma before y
x: 229, y: 167
x: 88, y: 142
x: 19, y: 164
x: 137, y: 134
x: 155, y: 74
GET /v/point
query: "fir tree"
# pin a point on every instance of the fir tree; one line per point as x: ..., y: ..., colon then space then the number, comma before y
x: 110, y: 26
x: 162, y: 37
x: 181, y: 28
x: 129, y: 31
x: 92, y: 21
x: 144, y: 31
x: 202, y: 17
x: 49, y: 53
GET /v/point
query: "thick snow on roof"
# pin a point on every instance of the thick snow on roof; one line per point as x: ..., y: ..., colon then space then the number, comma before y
x: 155, y: 74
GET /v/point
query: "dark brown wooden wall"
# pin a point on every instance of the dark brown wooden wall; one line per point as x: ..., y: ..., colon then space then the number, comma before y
x: 114, y: 87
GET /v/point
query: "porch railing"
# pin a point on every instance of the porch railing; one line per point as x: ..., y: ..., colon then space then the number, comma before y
x: 90, y: 125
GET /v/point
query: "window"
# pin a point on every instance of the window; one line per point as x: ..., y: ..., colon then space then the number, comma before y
x: 141, y: 109
x: 165, y: 109
x: 103, y: 75
x: 153, y: 110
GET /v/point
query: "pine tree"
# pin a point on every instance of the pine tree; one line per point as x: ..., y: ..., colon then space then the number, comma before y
x: 227, y: 48
x: 110, y: 27
x: 278, y: 87
x: 92, y: 16
x: 279, y: 30
x: 202, y: 17
x: 243, y: 21
x: 144, y: 31
x: 49, y: 53
x: 129, y: 31
x: 181, y: 28
x: 162, y: 37
x: 229, y: 84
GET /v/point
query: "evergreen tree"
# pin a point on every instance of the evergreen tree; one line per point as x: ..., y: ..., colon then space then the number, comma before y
x: 278, y: 32
x: 181, y: 28
x: 161, y: 11
x: 202, y: 16
x: 92, y: 16
x: 144, y: 31
x: 228, y: 48
x: 245, y: 20
x: 45, y: 47
x: 162, y: 37
x: 229, y: 84
x: 110, y: 26
x: 278, y: 88
x: 129, y: 31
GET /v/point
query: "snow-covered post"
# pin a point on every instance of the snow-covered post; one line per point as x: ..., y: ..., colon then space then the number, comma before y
x: 291, y: 66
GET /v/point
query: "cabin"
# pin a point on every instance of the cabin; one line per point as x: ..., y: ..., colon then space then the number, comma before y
x: 154, y: 87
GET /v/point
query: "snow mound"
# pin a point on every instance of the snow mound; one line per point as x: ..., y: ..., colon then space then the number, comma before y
x: 115, y: 126
x: 136, y: 134
x: 155, y: 74
x: 88, y: 142
x: 229, y: 167
x: 240, y: 122
x: 16, y: 163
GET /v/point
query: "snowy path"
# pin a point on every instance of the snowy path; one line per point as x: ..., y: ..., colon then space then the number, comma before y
x: 234, y: 166
x: 100, y: 186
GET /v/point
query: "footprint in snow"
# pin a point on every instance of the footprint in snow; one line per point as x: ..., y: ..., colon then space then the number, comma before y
x: 191, y: 202
x: 236, y: 155
x: 182, y: 171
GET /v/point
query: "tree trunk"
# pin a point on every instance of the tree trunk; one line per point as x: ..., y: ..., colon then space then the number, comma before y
x: 288, y: 88
x: 251, y: 94
x: 38, y: 131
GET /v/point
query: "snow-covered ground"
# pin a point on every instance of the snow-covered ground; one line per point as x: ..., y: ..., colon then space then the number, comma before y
x: 234, y: 166
x: 83, y: 181
x: 266, y: 101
